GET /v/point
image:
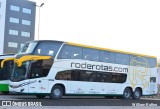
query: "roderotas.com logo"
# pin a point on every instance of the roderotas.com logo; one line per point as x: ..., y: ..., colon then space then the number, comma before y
x: 98, y: 67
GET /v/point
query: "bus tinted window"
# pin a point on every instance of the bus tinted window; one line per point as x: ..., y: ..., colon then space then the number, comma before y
x: 152, y: 79
x: 6, y: 71
x: 47, y: 48
x: 91, y: 54
x: 20, y: 73
x: 91, y: 76
x: 64, y: 75
x: 84, y: 75
x: 152, y: 62
x: 40, y: 68
x: 106, y: 56
x: 121, y: 58
x: 70, y: 52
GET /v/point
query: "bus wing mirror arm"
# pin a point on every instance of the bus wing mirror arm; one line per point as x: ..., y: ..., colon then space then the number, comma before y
x: 7, y: 59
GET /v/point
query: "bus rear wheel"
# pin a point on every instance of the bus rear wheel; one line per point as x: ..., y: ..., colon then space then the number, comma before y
x: 56, y: 92
x: 40, y: 96
x: 127, y: 93
x: 136, y: 94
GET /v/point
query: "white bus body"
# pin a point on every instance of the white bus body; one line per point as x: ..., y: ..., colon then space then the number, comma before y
x: 135, y: 77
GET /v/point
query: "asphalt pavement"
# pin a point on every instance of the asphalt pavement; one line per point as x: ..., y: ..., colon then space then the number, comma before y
x: 75, y: 102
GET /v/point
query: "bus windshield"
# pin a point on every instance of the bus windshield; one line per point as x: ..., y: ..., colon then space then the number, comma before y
x: 20, y: 73
x: 47, y: 48
x: 28, y: 47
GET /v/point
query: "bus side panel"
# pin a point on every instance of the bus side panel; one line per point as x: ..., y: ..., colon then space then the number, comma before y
x: 141, y: 77
x: 52, y: 80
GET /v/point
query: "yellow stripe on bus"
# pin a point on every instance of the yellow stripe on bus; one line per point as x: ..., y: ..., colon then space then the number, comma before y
x: 30, y: 57
x: 7, y: 59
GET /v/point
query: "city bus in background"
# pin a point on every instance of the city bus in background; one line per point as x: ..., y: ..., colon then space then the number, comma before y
x: 5, y: 72
x: 56, y: 69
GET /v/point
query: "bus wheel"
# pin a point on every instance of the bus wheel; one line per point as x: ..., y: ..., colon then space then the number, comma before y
x: 127, y: 93
x: 40, y: 96
x: 136, y: 94
x: 56, y: 92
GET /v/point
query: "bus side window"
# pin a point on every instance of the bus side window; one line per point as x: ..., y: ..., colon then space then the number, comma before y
x: 47, y: 48
x: 40, y: 68
x: 118, y: 78
x: 122, y: 58
x: 90, y: 54
x: 64, y: 75
x: 36, y: 69
x: 106, y: 56
x: 152, y: 62
x: 152, y: 79
x: 70, y: 52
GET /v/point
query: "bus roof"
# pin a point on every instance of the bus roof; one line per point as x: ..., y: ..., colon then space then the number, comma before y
x: 112, y: 50
x: 4, y: 56
x: 7, y: 54
x: 99, y: 48
x: 45, y: 41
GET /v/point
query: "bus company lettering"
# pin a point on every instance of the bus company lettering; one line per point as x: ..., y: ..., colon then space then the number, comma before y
x: 98, y: 67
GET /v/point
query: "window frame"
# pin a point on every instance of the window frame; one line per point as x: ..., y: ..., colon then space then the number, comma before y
x: 27, y: 11
x: 14, y: 20
x: 14, y: 8
x: 12, y: 44
x: 25, y: 34
x: 13, y: 32
x: 26, y: 22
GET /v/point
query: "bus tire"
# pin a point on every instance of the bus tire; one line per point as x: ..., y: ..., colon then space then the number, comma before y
x: 40, y: 96
x: 127, y: 93
x: 56, y: 92
x: 136, y: 94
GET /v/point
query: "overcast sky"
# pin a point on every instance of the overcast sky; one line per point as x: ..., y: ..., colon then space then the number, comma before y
x: 128, y: 25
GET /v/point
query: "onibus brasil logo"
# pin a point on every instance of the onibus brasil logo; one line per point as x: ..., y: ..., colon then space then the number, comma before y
x: 139, y: 72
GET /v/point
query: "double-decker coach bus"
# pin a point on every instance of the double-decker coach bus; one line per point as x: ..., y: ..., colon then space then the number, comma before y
x: 5, y: 71
x: 59, y: 69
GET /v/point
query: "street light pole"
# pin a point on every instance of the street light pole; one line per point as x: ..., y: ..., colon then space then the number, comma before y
x: 39, y: 6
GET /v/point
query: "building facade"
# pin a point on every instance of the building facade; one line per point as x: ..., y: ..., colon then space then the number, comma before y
x: 17, y: 24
